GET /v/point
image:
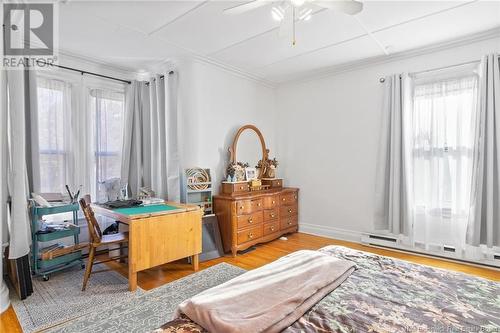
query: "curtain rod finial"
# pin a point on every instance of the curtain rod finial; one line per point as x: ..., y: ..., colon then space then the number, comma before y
x: 382, y: 80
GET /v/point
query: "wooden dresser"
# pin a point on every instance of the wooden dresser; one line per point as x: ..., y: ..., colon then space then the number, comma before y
x: 249, y: 218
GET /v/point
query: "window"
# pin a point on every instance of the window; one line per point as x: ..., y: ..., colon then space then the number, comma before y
x: 80, y: 133
x: 54, y: 100
x: 107, y: 115
x: 443, y: 142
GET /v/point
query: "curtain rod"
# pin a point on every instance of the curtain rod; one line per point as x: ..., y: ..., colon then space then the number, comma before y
x: 382, y: 79
x: 83, y: 72
x: 161, y: 77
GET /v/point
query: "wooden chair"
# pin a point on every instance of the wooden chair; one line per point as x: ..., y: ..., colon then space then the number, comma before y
x: 96, y: 239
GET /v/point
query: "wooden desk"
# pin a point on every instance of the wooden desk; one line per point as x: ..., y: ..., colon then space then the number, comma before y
x: 158, y: 237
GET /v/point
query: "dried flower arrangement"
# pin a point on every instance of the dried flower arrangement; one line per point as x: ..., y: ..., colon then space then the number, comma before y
x: 269, y: 166
x: 237, y: 170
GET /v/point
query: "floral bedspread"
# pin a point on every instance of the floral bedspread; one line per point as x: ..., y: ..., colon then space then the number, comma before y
x: 390, y: 295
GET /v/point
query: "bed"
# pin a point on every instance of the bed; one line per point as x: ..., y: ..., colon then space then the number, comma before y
x: 389, y: 295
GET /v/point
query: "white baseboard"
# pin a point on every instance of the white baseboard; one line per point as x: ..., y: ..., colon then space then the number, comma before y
x: 330, y: 232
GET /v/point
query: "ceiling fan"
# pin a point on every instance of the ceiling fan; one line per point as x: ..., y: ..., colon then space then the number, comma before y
x: 289, y: 11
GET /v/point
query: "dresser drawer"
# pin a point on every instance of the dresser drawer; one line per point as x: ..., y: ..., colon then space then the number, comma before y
x: 271, y: 227
x: 244, y: 221
x: 243, y: 207
x: 250, y: 234
x: 256, y: 205
x: 270, y: 201
x: 273, y: 183
x: 287, y: 211
x: 230, y: 188
x: 289, y: 222
x: 271, y: 214
x: 289, y: 198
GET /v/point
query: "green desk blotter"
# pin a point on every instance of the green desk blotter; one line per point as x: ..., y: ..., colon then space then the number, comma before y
x: 145, y: 209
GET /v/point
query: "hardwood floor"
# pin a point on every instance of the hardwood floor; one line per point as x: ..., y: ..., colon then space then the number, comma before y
x: 264, y: 254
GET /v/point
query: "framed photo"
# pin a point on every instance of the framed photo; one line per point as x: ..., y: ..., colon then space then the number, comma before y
x: 251, y: 173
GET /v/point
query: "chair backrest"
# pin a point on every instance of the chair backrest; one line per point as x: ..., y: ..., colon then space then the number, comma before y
x: 95, y: 233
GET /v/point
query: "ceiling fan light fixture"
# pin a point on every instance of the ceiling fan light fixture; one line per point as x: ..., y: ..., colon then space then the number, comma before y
x: 278, y: 13
x: 305, y: 14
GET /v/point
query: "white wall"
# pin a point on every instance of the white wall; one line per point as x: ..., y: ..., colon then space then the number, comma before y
x: 214, y: 103
x: 327, y: 138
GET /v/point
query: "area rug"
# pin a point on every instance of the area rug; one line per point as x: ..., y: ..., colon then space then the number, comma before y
x: 60, y: 299
x: 152, y: 309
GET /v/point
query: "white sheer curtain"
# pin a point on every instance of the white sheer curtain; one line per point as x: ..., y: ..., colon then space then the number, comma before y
x: 80, y: 122
x: 107, y: 113
x: 54, y: 133
x: 443, y: 124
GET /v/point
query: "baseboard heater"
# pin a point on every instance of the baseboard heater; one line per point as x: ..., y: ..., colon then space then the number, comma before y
x: 390, y: 242
x: 387, y: 239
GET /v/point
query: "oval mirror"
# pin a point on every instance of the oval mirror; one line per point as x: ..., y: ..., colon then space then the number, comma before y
x: 248, y: 146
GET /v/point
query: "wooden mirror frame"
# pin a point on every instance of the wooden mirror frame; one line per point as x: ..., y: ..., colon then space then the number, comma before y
x: 232, y: 149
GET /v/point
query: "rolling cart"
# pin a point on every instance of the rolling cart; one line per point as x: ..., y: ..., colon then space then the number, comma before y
x: 45, y: 267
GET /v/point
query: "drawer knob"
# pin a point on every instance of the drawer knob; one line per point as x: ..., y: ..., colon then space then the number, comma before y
x: 272, y: 228
x: 241, y: 207
x: 272, y: 215
x: 289, y: 210
x: 250, y: 220
x: 273, y: 202
x: 290, y: 222
x: 250, y: 235
x: 295, y: 197
x: 284, y: 199
x: 278, y: 183
x: 258, y: 205
x: 241, y: 187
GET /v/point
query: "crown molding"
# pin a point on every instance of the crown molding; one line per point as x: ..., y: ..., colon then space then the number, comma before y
x: 235, y: 71
x: 128, y: 73
x: 378, y: 60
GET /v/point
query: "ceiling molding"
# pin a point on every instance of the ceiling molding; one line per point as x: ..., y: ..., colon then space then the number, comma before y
x: 128, y: 73
x: 178, y: 17
x: 305, y: 53
x: 235, y: 71
x: 355, y: 65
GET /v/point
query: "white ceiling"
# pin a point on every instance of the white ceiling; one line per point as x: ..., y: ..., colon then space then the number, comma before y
x: 138, y: 35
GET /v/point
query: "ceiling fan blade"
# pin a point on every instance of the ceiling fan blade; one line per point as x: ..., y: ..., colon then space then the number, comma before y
x: 245, y: 7
x: 349, y: 7
x: 286, y: 24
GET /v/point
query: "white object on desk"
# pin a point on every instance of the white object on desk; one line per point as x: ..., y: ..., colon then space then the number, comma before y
x: 152, y: 201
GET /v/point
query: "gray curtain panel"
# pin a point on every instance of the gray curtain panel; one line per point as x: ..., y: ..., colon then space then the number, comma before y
x: 131, y: 170
x: 150, y: 145
x: 484, y: 220
x: 17, y: 170
x: 391, y: 194
x: 31, y: 118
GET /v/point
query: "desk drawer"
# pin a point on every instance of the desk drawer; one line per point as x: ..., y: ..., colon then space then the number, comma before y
x: 244, y: 221
x: 271, y: 227
x: 288, y: 211
x: 289, y: 222
x: 271, y: 214
x: 250, y: 234
x: 270, y: 202
x: 289, y: 199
